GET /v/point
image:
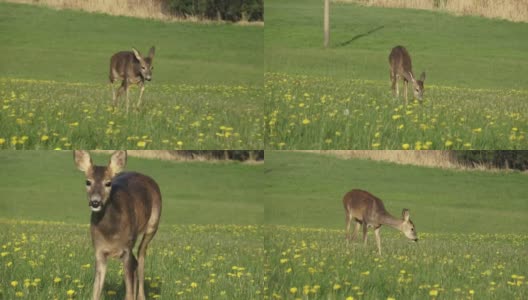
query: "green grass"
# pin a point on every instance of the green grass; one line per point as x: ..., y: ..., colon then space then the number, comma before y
x: 454, y: 51
x: 210, y: 230
x: 307, y: 190
x: 205, y: 94
x: 327, y: 113
x: 340, y: 98
x: 46, y: 185
x: 72, y: 46
x: 45, y: 260
x: 471, y: 226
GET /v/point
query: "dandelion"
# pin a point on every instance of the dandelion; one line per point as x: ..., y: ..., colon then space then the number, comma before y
x: 336, y: 286
x: 57, y: 280
x: 194, y: 285
x: 293, y: 290
x: 111, y: 293
x: 19, y: 294
x: 2, y: 141
x: 405, y: 146
x: 14, y: 283
x: 477, y: 130
x: 433, y: 293
x: 70, y: 293
x: 306, y: 121
x: 448, y: 143
x: 349, y: 298
x: 141, y: 144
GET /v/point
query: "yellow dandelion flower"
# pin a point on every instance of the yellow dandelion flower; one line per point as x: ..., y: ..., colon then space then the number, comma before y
x: 2, y: 141
x: 336, y: 286
x: 406, y: 146
x: 111, y: 293
x: 141, y: 144
x: 14, y: 283
x: 57, y: 280
x: 194, y: 285
x: 349, y: 298
x: 471, y: 292
x: 70, y: 293
x: 477, y: 130
x: 19, y: 294
x: 293, y: 290
x: 306, y: 121
x: 448, y: 143
x: 433, y: 293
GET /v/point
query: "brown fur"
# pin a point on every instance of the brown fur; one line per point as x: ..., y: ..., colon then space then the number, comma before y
x: 132, y: 68
x: 130, y: 207
x: 368, y: 210
x: 401, y: 67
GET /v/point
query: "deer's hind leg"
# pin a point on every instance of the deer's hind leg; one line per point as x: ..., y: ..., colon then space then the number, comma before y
x: 142, y: 252
x: 394, y: 79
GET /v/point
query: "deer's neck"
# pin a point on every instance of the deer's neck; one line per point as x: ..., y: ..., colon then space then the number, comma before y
x: 391, y: 221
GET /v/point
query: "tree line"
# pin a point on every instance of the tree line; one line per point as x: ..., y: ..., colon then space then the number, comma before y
x: 502, y: 159
x: 226, y: 10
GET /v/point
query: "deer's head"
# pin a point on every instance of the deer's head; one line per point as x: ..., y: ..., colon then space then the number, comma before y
x: 145, y: 63
x: 99, y: 178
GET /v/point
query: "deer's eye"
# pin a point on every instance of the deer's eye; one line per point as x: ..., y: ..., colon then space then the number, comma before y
x: 108, y: 183
x: 88, y: 183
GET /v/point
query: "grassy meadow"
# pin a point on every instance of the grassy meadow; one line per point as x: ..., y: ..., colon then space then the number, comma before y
x: 205, y: 92
x: 209, y: 245
x: 471, y: 227
x: 340, y: 97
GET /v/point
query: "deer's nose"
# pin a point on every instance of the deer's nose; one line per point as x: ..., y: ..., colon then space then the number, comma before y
x: 94, y: 203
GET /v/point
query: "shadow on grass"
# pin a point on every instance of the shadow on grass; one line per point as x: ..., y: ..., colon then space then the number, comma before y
x: 360, y: 36
x: 119, y: 288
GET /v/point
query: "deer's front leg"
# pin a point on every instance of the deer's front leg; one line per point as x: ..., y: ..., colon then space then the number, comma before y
x: 100, y: 272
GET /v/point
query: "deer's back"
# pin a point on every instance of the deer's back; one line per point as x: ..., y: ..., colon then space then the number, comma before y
x: 123, y: 63
x: 400, y: 60
x: 363, y: 204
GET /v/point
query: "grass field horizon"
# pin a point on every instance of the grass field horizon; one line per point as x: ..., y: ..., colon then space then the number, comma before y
x: 340, y: 97
x: 55, y: 91
x: 471, y: 229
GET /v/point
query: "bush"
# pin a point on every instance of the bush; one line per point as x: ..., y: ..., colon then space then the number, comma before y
x: 497, y: 158
x: 227, y: 10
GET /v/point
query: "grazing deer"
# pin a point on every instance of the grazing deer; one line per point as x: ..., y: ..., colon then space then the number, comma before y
x: 401, y: 67
x: 132, y: 68
x: 124, y: 206
x: 367, y: 210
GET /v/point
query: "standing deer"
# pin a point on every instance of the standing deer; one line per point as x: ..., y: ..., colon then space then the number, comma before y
x: 401, y: 67
x: 124, y: 206
x: 132, y: 68
x: 368, y: 210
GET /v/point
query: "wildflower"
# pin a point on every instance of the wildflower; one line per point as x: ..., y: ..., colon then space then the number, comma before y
x: 433, y: 293
x: 194, y: 285
x: 70, y: 293
x: 111, y: 293
x: 57, y: 280
x: 293, y: 290
x: 141, y: 144
x: 14, y: 283
x: 19, y: 294
x: 336, y: 286
x: 306, y: 121
x: 2, y: 141
x: 44, y: 138
x: 448, y: 143
x: 405, y: 146
x: 349, y: 298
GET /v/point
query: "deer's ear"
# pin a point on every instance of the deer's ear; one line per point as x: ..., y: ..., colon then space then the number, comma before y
x: 137, y: 54
x: 83, y: 161
x: 152, y: 51
x: 117, y: 162
x: 408, y: 76
x: 406, y: 215
x: 422, y: 76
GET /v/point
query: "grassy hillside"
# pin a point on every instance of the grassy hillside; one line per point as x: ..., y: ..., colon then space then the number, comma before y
x: 471, y: 229
x: 455, y: 51
x: 71, y: 46
x: 340, y: 97
x: 46, y: 185
x: 306, y: 189
x: 55, y: 93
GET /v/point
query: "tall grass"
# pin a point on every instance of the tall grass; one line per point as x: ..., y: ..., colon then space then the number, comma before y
x: 151, y: 9
x: 513, y: 10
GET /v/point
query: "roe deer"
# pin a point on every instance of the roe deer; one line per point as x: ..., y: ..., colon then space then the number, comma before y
x: 124, y: 205
x: 132, y: 68
x: 401, y: 67
x: 367, y: 210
